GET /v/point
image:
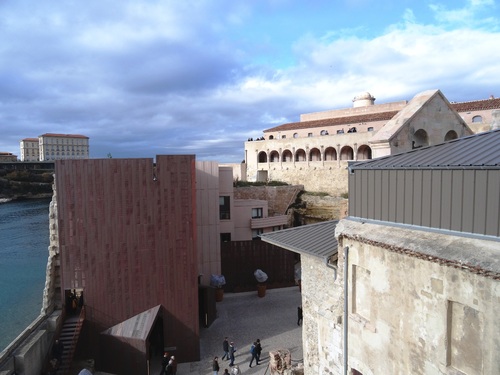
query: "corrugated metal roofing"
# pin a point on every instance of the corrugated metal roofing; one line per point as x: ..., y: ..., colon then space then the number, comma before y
x: 314, y: 239
x: 479, y: 150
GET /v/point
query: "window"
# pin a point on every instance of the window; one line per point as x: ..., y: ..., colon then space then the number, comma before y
x: 324, y: 132
x: 295, y: 135
x: 283, y: 136
x: 256, y: 213
x: 224, y: 208
x: 225, y: 237
x: 256, y: 233
x: 477, y: 119
x: 370, y: 128
x: 309, y: 135
x: 275, y: 228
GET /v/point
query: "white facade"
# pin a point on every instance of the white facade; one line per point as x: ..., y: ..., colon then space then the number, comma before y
x: 63, y: 146
x: 30, y: 149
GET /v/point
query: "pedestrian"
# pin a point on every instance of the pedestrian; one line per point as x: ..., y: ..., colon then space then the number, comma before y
x: 173, y: 366
x: 215, y: 365
x: 57, y: 351
x: 164, y: 363
x: 232, y: 350
x: 253, y: 352
x: 226, y: 371
x: 258, y: 350
x: 299, y: 315
x: 225, y: 347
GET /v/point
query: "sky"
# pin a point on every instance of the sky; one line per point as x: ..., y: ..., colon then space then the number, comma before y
x: 152, y: 77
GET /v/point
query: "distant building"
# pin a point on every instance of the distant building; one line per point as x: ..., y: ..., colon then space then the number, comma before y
x: 63, y: 146
x: 7, y: 157
x: 49, y: 147
x: 30, y: 149
x: 315, y: 151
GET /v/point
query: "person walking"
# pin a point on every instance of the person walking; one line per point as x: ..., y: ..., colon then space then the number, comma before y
x: 258, y: 350
x: 225, y: 347
x: 253, y: 352
x: 215, y: 366
x: 232, y: 350
x: 164, y: 363
x: 299, y: 315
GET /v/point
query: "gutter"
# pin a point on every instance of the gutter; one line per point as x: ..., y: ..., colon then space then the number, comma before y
x: 346, y: 295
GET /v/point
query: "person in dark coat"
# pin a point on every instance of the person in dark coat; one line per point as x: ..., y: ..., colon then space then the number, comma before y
x: 232, y: 349
x: 258, y: 350
x: 215, y: 366
x: 225, y: 347
x: 57, y: 351
x: 164, y: 363
x: 299, y: 315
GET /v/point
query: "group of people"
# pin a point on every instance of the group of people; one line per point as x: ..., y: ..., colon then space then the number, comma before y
x: 168, y: 365
x: 229, y: 349
x: 74, y: 302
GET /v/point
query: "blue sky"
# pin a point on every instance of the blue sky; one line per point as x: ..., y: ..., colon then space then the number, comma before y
x: 142, y: 78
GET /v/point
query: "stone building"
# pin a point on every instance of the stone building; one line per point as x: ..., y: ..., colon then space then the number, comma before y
x: 50, y: 146
x: 409, y: 282
x: 316, y: 150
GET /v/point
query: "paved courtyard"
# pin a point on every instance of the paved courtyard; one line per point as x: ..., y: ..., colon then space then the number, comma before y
x: 244, y: 317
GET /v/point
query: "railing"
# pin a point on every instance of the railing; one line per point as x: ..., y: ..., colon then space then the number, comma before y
x: 74, y: 340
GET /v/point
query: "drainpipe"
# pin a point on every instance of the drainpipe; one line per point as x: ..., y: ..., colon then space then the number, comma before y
x: 346, y: 303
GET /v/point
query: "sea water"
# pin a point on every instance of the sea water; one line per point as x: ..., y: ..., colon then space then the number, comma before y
x: 24, y: 241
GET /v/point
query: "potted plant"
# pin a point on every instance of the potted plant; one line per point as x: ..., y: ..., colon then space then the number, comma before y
x: 261, y: 278
x: 217, y: 281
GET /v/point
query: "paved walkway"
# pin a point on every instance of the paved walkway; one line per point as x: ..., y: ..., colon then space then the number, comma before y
x: 244, y: 317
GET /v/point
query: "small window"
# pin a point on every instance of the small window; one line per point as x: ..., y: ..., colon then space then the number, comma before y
x: 271, y: 137
x: 477, y: 119
x: 224, y: 208
x: 324, y: 132
x: 283, y: 136
x: 309, y: 135
x: 295, y: 135
x: 370, y: 128
x: 341, y: 131
x: 256, y: 213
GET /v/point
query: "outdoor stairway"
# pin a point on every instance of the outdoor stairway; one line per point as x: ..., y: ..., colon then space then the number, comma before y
x: 69, y: 337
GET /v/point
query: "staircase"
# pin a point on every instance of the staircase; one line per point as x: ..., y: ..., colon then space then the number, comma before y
x: 69, y: 337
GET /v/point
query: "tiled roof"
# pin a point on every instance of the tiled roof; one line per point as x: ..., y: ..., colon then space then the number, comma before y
x: 480, y: 150
x: 314, y: 239
x: 382, y: 116
x: 64, y: 135
x: 30, y: 139
x: 477, y: 105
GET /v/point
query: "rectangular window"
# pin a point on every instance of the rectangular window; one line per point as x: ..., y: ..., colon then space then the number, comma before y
x: 256, y: 213
x: 276, y: 228
x: 256, y: 233
x: 224, y: 208
x: 309, y: 135
x: 283, y: 136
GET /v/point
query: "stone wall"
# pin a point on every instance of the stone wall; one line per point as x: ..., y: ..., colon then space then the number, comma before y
x: 279, y: 198
x: 322, y: 305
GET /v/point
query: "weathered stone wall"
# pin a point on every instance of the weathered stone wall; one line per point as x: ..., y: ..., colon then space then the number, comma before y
x: 322, y: 305
x: 413, y: 307
x: 50, y: 300
x: 279, y: 198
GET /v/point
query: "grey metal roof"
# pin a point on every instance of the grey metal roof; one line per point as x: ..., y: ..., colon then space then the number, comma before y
x: 313, y: 239
x: 480, y: 150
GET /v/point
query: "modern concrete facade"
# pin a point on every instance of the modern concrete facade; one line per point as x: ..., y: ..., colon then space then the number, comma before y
x: 407, y: 285
x: 315, y: 151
